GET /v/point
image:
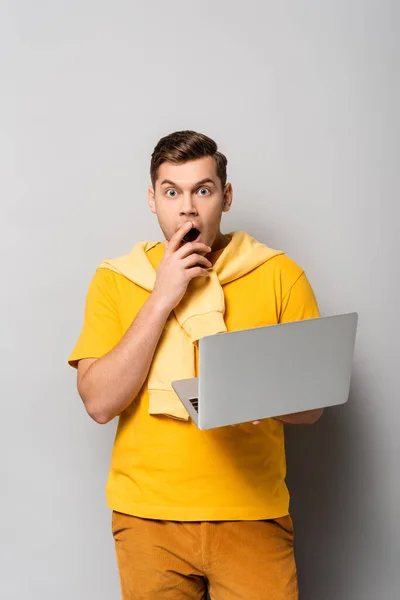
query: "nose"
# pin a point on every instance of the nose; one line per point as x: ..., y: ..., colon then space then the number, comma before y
x: 188, y: 207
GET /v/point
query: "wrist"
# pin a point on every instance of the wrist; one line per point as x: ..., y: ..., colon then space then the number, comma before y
x: 160, y: 305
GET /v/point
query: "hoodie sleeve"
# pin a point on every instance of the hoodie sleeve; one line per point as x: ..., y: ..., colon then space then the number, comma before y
x: 101, y: 329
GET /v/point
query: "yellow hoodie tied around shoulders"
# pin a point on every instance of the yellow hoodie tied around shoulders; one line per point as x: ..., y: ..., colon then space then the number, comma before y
x: 200, y: 313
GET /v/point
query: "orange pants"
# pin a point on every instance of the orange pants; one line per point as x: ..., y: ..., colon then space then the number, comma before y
x: 233, y: 560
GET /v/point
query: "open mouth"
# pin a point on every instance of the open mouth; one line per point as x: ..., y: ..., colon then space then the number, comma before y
x: 191, y: 235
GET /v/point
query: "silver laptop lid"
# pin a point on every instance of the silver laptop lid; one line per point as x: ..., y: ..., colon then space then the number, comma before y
x: 280, y: 369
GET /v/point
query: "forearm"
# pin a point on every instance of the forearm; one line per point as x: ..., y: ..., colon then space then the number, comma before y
x: 112, y: 382
x: 307, y: 417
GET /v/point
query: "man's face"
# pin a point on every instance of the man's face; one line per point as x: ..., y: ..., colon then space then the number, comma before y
x: 192, y: 192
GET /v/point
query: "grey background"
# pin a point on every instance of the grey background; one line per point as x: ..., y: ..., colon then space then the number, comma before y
x: 303, y: 97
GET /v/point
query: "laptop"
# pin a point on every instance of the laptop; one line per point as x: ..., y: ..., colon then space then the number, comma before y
x: 269, y: 371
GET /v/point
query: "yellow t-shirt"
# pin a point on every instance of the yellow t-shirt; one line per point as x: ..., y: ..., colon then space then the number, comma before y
x: 166, y: 469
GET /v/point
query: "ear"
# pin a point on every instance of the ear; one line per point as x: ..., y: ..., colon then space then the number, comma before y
x: 151, y: 199
x: 228, y: 197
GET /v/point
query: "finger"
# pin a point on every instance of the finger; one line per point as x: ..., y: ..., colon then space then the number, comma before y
x: 197, y: 272
x: 192, y: 247
x: 196, y: 259
x: 177, y: 239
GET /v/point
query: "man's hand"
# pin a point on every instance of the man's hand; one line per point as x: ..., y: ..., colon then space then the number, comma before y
x: 179, y: 265
x: 254, y: 423
x: 308, y: 417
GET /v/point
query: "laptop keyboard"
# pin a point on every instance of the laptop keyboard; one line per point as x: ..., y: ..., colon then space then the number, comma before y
x: 195, y: 403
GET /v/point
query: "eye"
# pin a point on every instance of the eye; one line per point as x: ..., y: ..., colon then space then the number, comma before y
x: 172, y: 193
x: 204, y: 191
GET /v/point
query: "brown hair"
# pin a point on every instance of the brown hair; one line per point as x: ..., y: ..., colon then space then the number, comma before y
x: 182, y: 146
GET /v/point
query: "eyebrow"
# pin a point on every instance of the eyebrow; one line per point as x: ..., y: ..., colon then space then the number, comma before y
x: 196, y: 185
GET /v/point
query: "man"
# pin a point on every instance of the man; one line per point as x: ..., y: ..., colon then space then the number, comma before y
x: 192, y: 510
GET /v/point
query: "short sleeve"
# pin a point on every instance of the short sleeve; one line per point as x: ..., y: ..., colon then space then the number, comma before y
x: 101, y: 329
x: 299, y: 303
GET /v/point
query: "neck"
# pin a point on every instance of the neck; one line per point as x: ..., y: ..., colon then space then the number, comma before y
x: 220, y: 242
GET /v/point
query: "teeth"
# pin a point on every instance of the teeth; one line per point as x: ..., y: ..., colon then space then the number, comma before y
x: 191, y: 235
